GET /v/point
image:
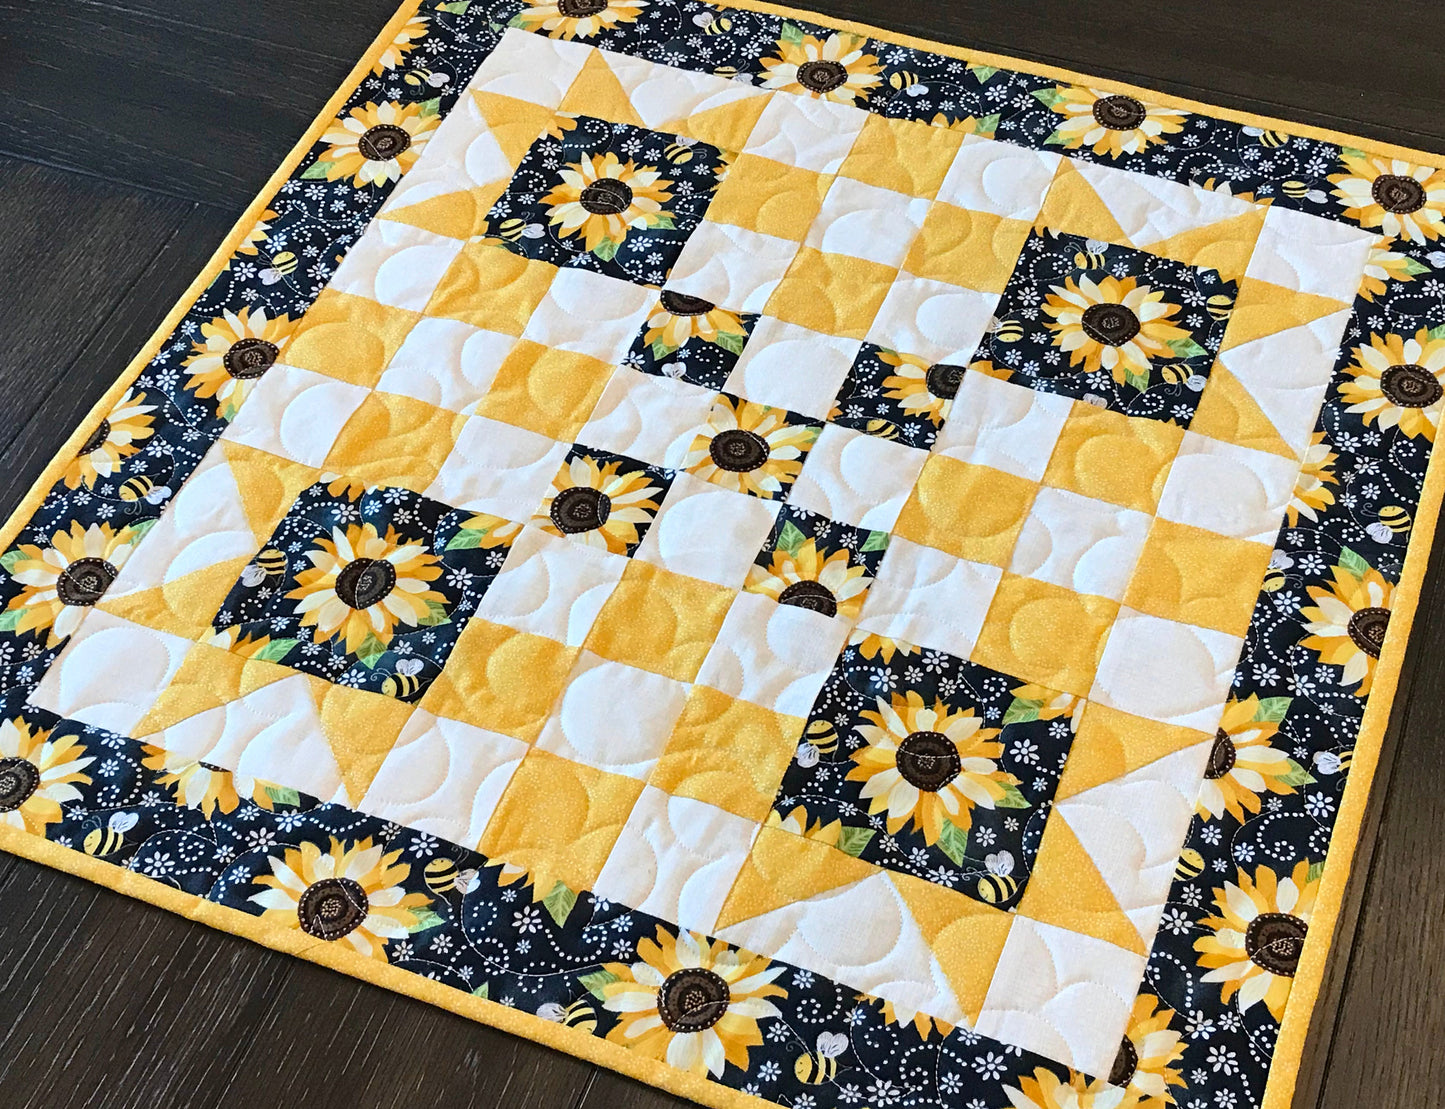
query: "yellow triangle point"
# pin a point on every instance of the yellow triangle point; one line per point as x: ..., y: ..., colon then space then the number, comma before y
x: 268, y: 485
x: 458, y: 215
x: 184, y: 606
x: 207, y: 678
x: 1110, y: 744
x: 597, y: 92
x: 1227, y: 412
x: 784, y: 868
x: 1072, y: 205
x: 726, y: 127
x: 515, y: 124
x: 1225, y: 246
x: 360, y: 728
x: 1067, y: 890
x: 1264, y: 308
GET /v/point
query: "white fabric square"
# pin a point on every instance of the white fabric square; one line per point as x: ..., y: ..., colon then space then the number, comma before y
x: 1080, y: 543
x: 647, y: 417
x: 586, y: 727
x: 111, y: 672
x: 497, y: 468
x: 864, y: 221
x: 396, y: 264
x: 590, y: 313
x: 731, y: 266
x: 1150, y: 209
x: 857, y: 479
x: 1062, y: 994
x: 1003, y: 425
x: 676, y: 859
x: 705, y: 531
x: 295, y: 413
x: 1166, y: 671
x: 806, y: 132
x: 1231, y: 490
x: 1311, y: 255
x: 551, y: 586
x: 664, y: 95
x: 443, y: 777
x: 531, y: 67
x: 939, y: 321
x: 788, y: 366
x: 773, y: 655
x: 999, y: 177
x: 447, y: 363
x: 462, y: 153
x: 924, y: 596
x: 1287, y: 374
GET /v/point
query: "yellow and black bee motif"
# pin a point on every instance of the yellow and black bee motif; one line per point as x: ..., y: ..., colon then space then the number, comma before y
x: 514, y: 230
x: 1333, y: 762
x: 1220, y: 306
x: 282, y: 265
x: 1295, y: 190
x: 580, y: 1014
x: 823, y: 735
x: 1394, y: 520
x: 679, y: 151
x: 109, y: 839
x: 406, y: 682
x: 727, y: 72
x: 1273, y: 138
x: 884, y: 429
x: 1189, y: 866
x: 908, y: 82
x: 813, y: 1068
x: 1006, y: 331
x: 143, y: 489
x: 422, y: 76
x: 1274, y: 575
x: 268, y: 566
x: 1092, y: 256
x: 712, y: 24
x: 442, y: 876
x: 999, y: 884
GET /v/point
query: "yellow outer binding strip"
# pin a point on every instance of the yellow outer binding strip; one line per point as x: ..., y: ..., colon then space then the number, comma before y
x: 1284, y: 1067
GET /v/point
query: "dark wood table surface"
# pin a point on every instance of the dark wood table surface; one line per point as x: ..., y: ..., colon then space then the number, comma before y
x: 132, y: 135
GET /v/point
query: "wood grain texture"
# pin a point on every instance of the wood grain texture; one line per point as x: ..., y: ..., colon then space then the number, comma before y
x: 132, y: 135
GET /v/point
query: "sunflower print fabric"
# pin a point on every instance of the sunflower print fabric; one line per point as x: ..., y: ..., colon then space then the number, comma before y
x: 773, y: 551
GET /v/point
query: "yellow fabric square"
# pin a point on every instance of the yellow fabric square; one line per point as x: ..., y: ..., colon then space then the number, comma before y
x: 907, y: 156
x: 551, y: 392
x: 361, y: 728
x: 783, y: 868
x: 729, y: 753
x: 489, y: 287
x: 558, y: 820
x: 1045, y: 634
x: 962, y: 247
x: 1112, y: 457
x: 660, y: 621
x: 349, y: 337
x: 395, y: 440
x: 831, y: 293
x: 1109, y: 744
x: 501, y: 679
x: 972, y: 511
x: 1198, y: 577
x: 767, y: 196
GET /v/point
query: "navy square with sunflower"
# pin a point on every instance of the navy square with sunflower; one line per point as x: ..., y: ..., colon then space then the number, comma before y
x: 1119, y: 327
x: 751, y: 448
x: 609, y: 197
x: 930, y: 765
x: 896, y: 396
x: 690, y: 339
x: 603, y: 500
x: 368, y: 588
x: 816, y: 563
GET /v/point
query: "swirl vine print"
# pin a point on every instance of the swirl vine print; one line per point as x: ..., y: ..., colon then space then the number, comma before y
x: 807, y: 566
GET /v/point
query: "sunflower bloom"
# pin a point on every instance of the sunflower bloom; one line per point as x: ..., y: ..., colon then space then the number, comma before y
x: 1243, y: 764
x: 1258, y: 936
x: 1398, y: 382
x: 1142, y: 1068
x: 1348, y: 622
x: 258, y: 234
x: 835, y: 68
x: 577, y: 19
x: 352, y: 892
x: 871, y: 645
x: 64, y: 580
x: 691, y: 1002
x: 678, y: 318
x: 808, y: 578
x: 376, y: 143
x: 1311, y: 493
x: 1115, y: 324
x: 200, y: 785
x: 927, y: 764
x: 1385, y: 265
x: 603, y: 506
x: 797, y: 823
x: 361, y: 584
x: 117, y: 438
x: 38, y: 774
x: 1399, y: 198
x: 1046, y: 1090
x: 920, y: 387
x: 601, y: 198
x: 235, y: 349
x: 750, y: 448
x: 404, y: 43
x: 1110, y: 124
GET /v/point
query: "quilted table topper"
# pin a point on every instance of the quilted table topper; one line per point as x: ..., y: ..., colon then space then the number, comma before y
x: 799, y: 564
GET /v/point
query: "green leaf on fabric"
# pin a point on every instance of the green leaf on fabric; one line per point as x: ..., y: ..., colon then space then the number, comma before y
x: 1022, y: 712
x: 1186, y: 348
x: 1048, y: 98
x: 559, y: 903
x: 275, y: 651
x: 1438, y: 332
x: 1272, y: 709
x: 1315, y: 870
x: 1297, y: 776
x: 316, y: 171
x: 593, y: 983
x: 370, y: 651
x: 1011, y: 799
x: 431, y: 107
x: 516, y: 20
x: 1351, y: 152
x: 1137, y: 380
x: 876, y: 541
x: 483, y: 991
x: 10, y: 618
x: 984, y: 72
x: 422, y: 919
x: 852, y: 841
x: 466, y: 539
x: 661, y: 350
x: 987, y: 125
x: 1413, y: 268
x: 791, y: 33
x: 731, y: 342
x: 606, y: 250
x: 436, y: 613
x: 141, y: 528
x: 10, y: 558
x: 283, y: 795
x: 662, y: 222
x: 457, y: 7
x: 1353, y: 563
x: 953, y: 842
x: 1055, y: 139
x: 790, y: 539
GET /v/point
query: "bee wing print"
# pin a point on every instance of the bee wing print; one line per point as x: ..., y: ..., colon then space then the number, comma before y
x: 1000, y: 863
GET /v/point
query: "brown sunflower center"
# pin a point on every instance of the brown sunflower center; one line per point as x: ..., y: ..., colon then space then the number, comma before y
x: 738, y: 450
x: 250, y: 358
x: 1274, y: 941
x: 692, y: 999
x: 1222, y: 756
x: 580, y: 508
x: 1367, y: 629
x: 812, y: 595
x: 332, y: 908
x: 1110, y: 324
x: 606, y: 196
x: 928, y: 760
x: 84, y: 581
x: 943, y: 380
x: 680, y: 304
x: 822, y: 77
x: 383, y: 142
x: 580, y: 9
x: 19, y: 778
x: 365, y: 581
x: 1119, y: 113
x: 1410, y: 386
x: 1125, y: 1064
x: 1398, y: 194
x: 96, y: 441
